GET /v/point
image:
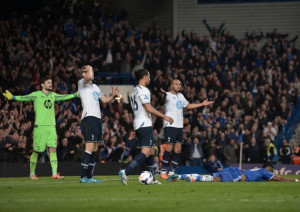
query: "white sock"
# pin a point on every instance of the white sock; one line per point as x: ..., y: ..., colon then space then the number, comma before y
x: 204, y: 178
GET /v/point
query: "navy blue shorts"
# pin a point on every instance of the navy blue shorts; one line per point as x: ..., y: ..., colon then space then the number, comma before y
x: 91, y: 129
x: 145, y: 136
x: 173, y: 135
x: 230, y: 174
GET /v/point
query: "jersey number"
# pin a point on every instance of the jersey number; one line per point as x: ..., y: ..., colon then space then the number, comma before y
x: 134, y: 103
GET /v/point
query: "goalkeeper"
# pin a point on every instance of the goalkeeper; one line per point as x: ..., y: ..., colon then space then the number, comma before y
x: 44, y: 133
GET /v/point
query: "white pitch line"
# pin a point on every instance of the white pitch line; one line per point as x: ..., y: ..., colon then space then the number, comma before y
x: 134, y: 199
x: 91, y: 199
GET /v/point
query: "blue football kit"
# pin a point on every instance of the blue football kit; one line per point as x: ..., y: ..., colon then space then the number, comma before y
x: 258, y: 175
x: 235, y: 175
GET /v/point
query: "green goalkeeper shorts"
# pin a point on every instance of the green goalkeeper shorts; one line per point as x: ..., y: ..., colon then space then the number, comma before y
x: 44, y: 136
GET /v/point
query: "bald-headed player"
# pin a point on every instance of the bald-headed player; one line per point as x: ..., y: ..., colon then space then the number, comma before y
x: 174, y: 103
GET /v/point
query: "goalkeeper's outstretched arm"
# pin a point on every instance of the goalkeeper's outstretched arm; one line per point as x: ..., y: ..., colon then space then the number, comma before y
x: 63, y: 97
x: 25, y: 98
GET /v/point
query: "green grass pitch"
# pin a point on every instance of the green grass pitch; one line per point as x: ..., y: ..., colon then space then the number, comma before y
x: 22, y: 194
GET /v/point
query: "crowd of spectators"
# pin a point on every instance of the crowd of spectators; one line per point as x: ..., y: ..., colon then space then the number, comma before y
x: 254, y: 82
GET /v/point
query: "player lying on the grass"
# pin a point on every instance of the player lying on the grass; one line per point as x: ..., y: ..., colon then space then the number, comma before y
x: 44, y: 133
x: 233, y: 174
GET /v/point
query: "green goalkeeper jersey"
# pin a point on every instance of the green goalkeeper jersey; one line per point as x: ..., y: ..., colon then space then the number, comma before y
x: 44, y: 106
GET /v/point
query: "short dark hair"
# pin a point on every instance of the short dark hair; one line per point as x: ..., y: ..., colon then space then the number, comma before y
x: 139, y: 74
x: 268, y: 165
x: 83, y: 68
x: 44, y: 79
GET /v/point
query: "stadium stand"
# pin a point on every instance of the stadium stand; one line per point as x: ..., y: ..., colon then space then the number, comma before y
x: 251, y: 86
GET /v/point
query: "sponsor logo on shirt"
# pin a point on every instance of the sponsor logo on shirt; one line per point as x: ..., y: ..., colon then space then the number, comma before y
x: 179, y: 104
x: 95, y: 95
x: 47, y: 104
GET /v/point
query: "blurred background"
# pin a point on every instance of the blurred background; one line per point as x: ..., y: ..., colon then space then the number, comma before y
x: 244, y: 55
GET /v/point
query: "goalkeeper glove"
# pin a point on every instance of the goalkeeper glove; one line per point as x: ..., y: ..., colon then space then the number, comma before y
x: 8, y: 95
x: 76, y: 95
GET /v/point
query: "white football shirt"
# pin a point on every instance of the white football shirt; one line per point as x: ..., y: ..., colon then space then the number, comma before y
x: 139, y: 97
x: 89, y: 95
x: 174, y: 106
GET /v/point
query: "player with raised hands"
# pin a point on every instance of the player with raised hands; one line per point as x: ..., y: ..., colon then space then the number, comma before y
x: 91, y: 122
x: 174, y: 102
x: 44, y: 133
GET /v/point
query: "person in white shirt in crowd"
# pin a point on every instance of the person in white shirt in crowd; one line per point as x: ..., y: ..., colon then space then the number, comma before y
x: 270, y: 131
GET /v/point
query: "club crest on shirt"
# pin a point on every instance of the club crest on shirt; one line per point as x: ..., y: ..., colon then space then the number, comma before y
x: 179, y: 104
x: 95, y: 95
